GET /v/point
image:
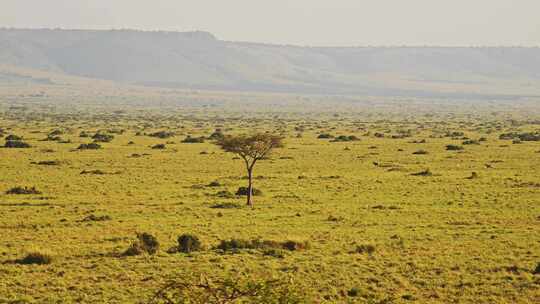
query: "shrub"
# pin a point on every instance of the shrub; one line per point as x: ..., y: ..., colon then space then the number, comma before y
x: 100, y: 137
x: 537, y: 269
x: 234, y: 245
x: 353, y: 292
x: 345, y: 138
x: 16, y: 144
x: 325, y: 136
x: 408, y: 297
x: 421, y: 152
x: 455, y: 134
x: 162, y: 134
x: 295, y: 245
x: 193, y: 140
x: 529, y: 136
x: 23, y: 190
x: 454, y: 148
x: 244, y: 191
x: 145, y: 243
x: 35, y: 258
x: 471, y: 142
x: 90, y: 146
x: 159, y: 147
x: 189, y: 243
x: 521, y: 136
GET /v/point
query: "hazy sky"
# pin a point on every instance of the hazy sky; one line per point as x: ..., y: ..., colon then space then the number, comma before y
x: 301, y: 22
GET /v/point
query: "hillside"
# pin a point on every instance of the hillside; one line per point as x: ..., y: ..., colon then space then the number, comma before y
x: 199, y: 60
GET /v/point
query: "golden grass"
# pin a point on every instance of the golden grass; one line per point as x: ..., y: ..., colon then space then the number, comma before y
x: 430, y: 239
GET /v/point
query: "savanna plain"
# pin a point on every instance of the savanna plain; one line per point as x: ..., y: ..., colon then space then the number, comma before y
x: 378, y: 201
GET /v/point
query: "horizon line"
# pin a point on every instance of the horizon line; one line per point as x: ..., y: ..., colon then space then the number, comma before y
x: 262, y: 43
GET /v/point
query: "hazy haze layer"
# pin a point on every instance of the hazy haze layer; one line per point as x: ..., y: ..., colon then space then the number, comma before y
x: 299, y: 22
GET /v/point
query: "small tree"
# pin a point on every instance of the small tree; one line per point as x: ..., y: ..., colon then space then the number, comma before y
x: 251, y: 149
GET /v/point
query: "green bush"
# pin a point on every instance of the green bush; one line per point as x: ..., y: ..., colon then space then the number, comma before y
x: 16, y: 144
x: 454, y: 148
x: 23, y: 190
x: 244, y: 191
x: 353, y: 292
x: 36, y: 258
x: 189, y: 243
x: 162, y: 134
x: 530, y: 136
x: 100, y: 137
x: 537, y: 269
x: 345, y: 138
x: 325, y: 136
x: 159, y: 147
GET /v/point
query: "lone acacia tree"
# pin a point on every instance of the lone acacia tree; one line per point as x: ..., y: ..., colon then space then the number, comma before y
x: 250, y: 148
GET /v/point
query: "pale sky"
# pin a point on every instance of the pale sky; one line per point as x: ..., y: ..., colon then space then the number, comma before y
x: 299, y: 22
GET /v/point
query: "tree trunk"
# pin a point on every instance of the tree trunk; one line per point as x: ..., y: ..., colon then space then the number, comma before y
x: 250, y: 188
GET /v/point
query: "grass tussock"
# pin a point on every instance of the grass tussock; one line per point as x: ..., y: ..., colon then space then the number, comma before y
x: 144, y: 244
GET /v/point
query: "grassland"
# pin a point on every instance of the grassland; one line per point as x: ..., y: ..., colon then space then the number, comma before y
x: 447, y: 236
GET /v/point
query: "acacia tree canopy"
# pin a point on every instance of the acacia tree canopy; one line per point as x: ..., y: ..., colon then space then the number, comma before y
x: 250, y: 148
